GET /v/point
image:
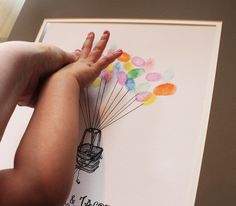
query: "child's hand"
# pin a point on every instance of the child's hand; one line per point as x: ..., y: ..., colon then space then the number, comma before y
x: 90, y: 63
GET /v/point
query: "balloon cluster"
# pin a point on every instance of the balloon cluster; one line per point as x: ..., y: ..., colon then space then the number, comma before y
x: 137, y: 75
x: 132, y: 74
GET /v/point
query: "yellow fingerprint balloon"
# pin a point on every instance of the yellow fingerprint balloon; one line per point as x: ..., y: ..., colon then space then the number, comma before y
x: 110, y: 68
x: 150, y: 100
x: 128, y: 66
x: 96, y: 83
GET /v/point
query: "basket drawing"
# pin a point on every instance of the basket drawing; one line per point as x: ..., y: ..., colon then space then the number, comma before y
x: 89, y: 152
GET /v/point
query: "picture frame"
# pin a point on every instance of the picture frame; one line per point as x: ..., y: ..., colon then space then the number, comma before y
x: 163, y: 169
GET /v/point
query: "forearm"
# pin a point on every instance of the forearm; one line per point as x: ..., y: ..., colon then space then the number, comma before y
x: 48, y: 148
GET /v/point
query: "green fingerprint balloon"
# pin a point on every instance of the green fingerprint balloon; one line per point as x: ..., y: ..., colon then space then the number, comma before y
x: 134, y: 73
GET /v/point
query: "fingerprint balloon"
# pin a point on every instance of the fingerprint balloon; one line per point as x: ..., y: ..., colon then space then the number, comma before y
x: 123, y: 87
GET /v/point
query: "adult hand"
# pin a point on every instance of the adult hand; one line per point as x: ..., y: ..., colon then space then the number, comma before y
x: 33, y: 62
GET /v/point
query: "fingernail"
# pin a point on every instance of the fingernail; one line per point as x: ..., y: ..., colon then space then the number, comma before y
x: 119, y: 51
x: 106, y: 32
x: 90, y: 34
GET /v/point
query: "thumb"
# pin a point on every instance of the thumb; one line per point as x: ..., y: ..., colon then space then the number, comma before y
x: 72, y: 57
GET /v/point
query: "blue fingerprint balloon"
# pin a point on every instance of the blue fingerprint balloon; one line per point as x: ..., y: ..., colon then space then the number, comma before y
x: 130, y: 84
x: 117, y: 67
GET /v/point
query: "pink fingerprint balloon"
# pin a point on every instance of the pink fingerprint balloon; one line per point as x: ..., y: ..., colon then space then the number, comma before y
x: 153, y: 77
x: 122, y: 77
x: 143, y: 96
x: 138, y: 61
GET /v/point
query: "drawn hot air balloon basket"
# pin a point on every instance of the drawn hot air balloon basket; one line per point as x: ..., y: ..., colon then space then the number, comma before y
x: 89, y: 151
x: 123, y: 87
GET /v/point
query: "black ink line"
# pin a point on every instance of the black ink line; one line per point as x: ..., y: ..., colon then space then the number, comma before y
x: 80, y: 104
x: 120, y: 108
x: 85, y: 105
x: 95, y: 109
x: 88, y: 106
x: 99, y: 108
x: 114, y: 108
x: 111, y: 104
x: 122, y: 116
x: 76, y: 169
x: 97, y: 112
x: 101, y: 118
x: 99, y: 99
x: 108, y: 100
x: 120, y: 111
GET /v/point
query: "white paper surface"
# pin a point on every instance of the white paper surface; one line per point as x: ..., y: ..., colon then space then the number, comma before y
x: 153, y: 155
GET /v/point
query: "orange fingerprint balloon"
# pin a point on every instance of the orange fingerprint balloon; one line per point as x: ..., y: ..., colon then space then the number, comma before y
x: 124, y: 57
x: 164, y: 89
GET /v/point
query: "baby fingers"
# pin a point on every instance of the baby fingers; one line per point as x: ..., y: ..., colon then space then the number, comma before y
x: 99, y: 48
x: 87, y: 46
x: 106, y: 60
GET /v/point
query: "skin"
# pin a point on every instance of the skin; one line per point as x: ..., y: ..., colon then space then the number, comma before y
x: 44, y: 161
x: 22, y: 65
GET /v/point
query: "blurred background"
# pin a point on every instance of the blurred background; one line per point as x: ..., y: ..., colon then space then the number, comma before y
x: 9, y: 10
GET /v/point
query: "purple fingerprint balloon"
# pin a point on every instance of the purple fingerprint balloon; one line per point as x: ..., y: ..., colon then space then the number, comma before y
x: 153, y: 77
x: 138, y: 61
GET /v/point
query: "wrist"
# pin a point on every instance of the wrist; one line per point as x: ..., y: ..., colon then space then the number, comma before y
x: 61, y: 78
x: 59, y: 85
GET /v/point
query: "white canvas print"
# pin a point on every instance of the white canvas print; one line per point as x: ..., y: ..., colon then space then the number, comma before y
x: 143, y: 121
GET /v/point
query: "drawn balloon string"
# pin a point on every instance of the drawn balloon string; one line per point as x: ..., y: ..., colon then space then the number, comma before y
x: 124, y: 86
